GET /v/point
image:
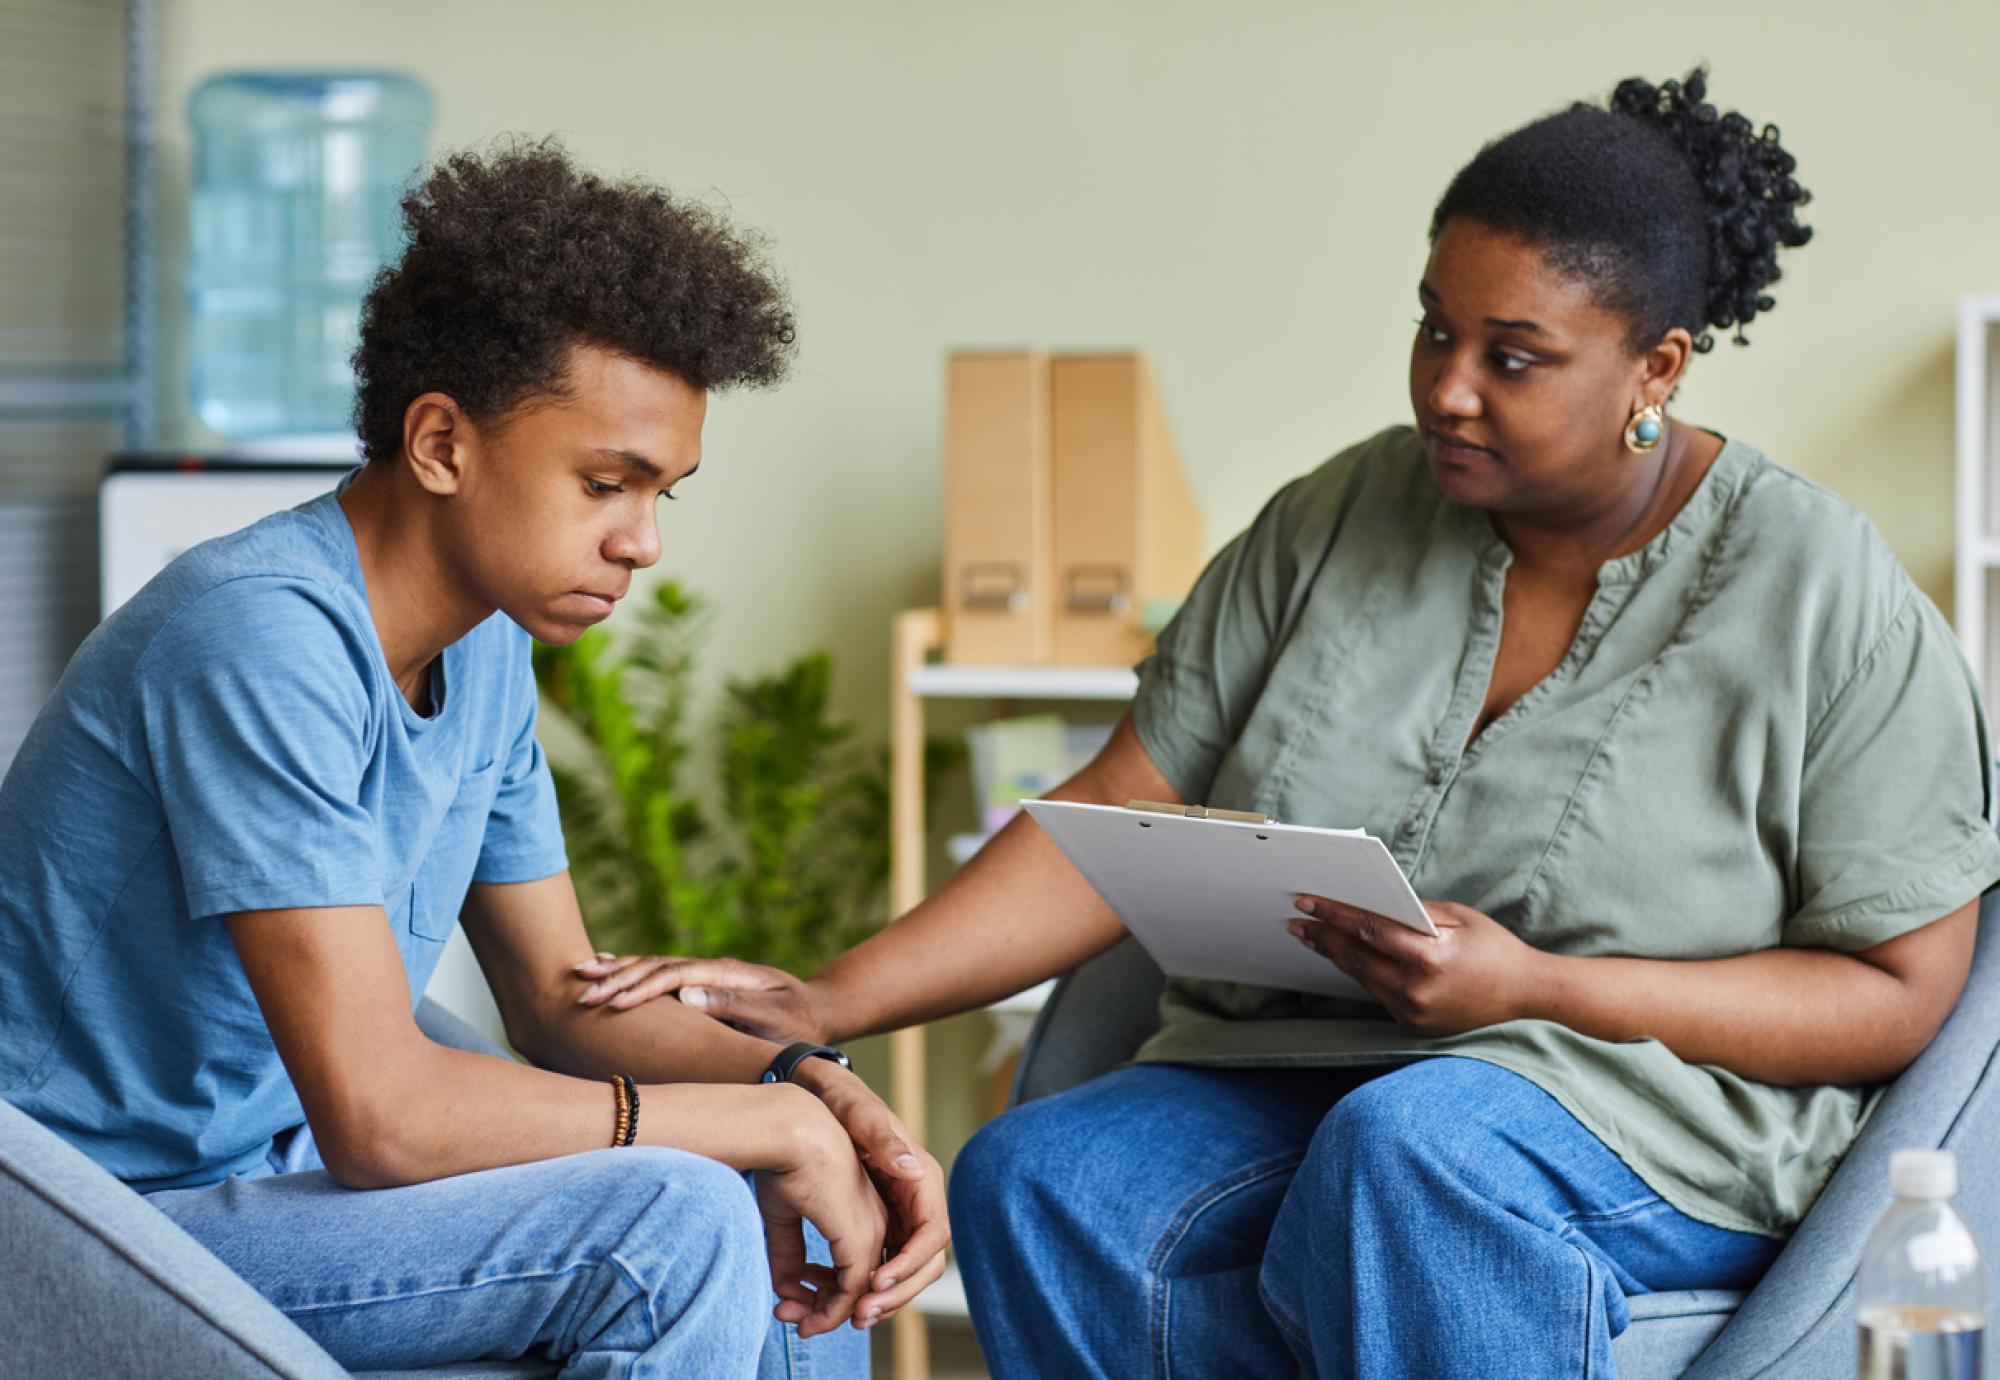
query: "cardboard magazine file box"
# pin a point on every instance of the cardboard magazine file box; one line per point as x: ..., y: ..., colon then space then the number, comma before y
x: 998, y: 561
x: 1127, y: 530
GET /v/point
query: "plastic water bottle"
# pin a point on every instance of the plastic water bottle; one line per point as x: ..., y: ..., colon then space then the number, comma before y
x: 294, y: 206
x: 1922, y: 1289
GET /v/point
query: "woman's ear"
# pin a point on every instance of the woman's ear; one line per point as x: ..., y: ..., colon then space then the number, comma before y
x: 1661, y: 367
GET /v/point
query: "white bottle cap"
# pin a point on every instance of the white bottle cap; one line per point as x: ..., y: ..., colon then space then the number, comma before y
x: 1923, y: 1174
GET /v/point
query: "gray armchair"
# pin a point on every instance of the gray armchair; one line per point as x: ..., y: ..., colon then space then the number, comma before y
x: 1799, y: 1320
x: 96, y: 1281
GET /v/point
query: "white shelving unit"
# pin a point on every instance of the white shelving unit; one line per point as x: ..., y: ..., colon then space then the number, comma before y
x: 937, y: 680
x: 1977, y: 593
x: 915, y: 680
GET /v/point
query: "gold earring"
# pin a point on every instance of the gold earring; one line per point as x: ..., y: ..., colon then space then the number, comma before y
x: 1645, y: 429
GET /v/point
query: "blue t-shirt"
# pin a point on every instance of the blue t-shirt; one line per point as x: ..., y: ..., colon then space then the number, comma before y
x: 230, y: 740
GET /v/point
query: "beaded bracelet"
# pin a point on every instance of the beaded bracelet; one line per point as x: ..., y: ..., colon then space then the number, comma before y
x: 632, y: 1108
x: 623, y: 1113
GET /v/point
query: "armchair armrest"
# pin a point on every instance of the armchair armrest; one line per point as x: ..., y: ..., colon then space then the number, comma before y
x: 99, y: 1282
x: 1799, y: 1320
x: 1097, y: 1017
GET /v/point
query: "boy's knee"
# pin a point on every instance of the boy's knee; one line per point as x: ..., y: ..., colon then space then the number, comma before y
x: 692, y: 1213
x: 694, y: 1192
x: 674, y: 1247
x: 709, y: 1210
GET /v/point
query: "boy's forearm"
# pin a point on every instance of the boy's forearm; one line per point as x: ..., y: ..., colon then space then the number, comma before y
x: 450, y: 1111
x: 661, y: 1041
x: 668, y: 1042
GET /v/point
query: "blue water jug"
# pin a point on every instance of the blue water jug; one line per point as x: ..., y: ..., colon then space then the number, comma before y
x: 294, y: 206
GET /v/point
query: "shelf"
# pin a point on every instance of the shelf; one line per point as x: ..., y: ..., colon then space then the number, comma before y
x: 941, y: 680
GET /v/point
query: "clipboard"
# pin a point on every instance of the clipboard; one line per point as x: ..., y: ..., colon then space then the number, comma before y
x: 1208, y: 893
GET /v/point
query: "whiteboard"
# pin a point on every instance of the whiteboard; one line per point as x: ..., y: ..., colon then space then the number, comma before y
x: 1210, y: 898
x: 148, y: 517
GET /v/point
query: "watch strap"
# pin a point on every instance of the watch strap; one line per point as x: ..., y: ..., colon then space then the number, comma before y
x: 791, y: 1056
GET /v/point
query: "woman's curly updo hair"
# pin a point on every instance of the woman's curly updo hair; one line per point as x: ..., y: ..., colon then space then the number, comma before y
x: 517, y: 257
x: 1672, y: 211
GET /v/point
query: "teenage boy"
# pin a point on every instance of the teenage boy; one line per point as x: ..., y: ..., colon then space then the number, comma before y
x: 267, y: 788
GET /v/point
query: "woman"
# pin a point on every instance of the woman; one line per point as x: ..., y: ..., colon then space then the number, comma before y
x: 1693, y: 774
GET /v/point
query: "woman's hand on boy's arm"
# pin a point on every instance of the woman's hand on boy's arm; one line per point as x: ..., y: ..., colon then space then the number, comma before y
x: 763, y: 1001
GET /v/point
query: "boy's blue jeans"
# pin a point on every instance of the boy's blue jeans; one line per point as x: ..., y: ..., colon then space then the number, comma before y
x: 1445, y: 1219
x: 640, y: 1262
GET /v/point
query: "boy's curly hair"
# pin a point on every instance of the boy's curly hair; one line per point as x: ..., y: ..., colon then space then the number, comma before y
x: 515, y: 258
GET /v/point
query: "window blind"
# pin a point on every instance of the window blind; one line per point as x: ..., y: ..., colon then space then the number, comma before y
x: 64, y: 370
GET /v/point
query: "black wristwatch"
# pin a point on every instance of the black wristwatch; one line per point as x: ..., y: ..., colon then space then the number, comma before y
x: 791, y: 1056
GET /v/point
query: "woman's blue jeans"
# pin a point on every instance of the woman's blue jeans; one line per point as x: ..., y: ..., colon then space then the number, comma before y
x: 1445, y: 1219
x: 640, y: 1262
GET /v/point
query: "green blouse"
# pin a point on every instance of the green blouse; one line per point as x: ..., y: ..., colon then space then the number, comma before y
x: 1762, y: 735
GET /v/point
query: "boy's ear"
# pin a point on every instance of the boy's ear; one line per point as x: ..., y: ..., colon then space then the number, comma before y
x: 437, y: 440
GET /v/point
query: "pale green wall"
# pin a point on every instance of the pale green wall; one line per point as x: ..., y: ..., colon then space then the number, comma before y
x: 1239, y: 189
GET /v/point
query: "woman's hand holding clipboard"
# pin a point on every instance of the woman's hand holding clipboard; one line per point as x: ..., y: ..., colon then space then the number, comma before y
x: 1472, y: 972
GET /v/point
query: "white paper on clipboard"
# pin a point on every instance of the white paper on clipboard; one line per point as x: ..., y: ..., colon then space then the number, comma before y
x: 1210, y: 898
